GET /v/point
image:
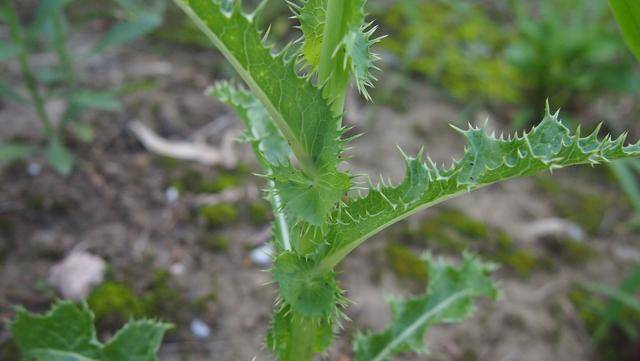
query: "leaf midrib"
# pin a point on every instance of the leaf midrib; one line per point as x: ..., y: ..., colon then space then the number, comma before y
x: 50, y: 351
x: 303, y: 157
x: 419, y: 322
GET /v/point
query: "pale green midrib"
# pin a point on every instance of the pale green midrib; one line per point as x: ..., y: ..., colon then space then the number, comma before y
x: 75, y: 355
x: 419, y: 322
x: 329, y: 262
x: 280, y: 218
x: 304, y: 159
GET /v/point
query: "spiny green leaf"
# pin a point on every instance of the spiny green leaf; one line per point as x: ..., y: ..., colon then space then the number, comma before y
x: 66, y: 333
x: 310, y: 198
x: 627, y: 13
x: 487, y: 159
x: 272, y: 149
x: 307, y: 293
x: 450, y: 297
x: 136, y: 341
x: 293, y: 103
x: 352, y: 53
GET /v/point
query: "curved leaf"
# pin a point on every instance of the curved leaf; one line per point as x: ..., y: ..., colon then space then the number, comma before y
x: 487, y: 159
x: 450, y: 297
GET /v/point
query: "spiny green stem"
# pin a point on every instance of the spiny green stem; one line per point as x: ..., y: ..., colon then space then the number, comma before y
x: 333, y: 31
x: 17, y: 35
x: 302, y: 331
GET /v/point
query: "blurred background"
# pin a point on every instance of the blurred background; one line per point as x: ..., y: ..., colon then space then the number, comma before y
x: 123, y: 186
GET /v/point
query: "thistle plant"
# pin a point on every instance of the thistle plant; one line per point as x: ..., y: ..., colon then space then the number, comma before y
x: 292, y: 108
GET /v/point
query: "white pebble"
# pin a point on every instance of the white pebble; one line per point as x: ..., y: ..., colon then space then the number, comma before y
x: 171, y: 194
x: 75, y: 276
x: 262, y: 256
x: 177, y: 269
x: 200, y: 329
x: 34, y: 169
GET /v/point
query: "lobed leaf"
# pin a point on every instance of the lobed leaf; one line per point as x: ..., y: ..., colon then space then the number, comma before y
x: 487, y: 159
x: 450, y: 297
x: 293, y: 103
x: 66, y: 333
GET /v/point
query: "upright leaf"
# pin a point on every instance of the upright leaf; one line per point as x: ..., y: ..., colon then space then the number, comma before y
x: 450, y: 297
x: 293, y: 103
x: 627, y: 13
x: 66, y: 333
x: 349, y: 49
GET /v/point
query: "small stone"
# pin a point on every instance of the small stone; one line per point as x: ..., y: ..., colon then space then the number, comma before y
x: 177, y: 269
x: 171, y: 194
x: 34, y: 169
x: 200, y: 329
x: 262, y: 256
x: 75, y: 275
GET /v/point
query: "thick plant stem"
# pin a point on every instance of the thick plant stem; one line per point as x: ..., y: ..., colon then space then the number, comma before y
x: 302, y: 331
x: 17, y: 35
x: 334, y: 29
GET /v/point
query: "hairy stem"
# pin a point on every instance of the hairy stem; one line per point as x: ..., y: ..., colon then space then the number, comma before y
x: 333, y: 31
x: 17, y: 35
x: 302, y: 340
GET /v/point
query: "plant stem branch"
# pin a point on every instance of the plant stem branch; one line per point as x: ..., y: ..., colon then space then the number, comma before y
x: 17, y: 35
x: 60, y: 45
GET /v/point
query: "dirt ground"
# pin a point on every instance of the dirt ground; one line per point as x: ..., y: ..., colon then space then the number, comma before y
x: 115, y: 206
